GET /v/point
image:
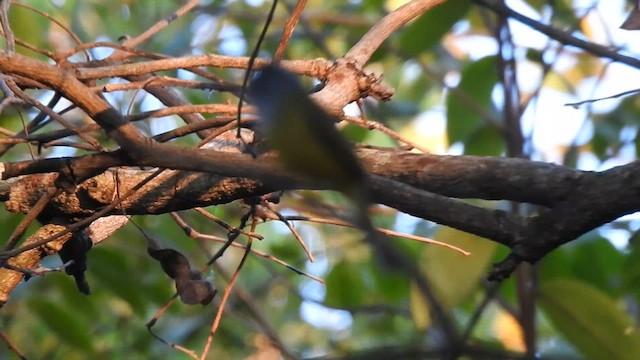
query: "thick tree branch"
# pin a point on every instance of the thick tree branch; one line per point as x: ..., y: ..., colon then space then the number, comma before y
x: 30, y: 259
x: 378, y: 34
x: 598, y: 198
x: 577, y: 201
x: 471, y: 177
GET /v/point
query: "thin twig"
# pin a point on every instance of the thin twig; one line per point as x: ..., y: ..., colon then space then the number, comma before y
x: 64, y: 28
x: 6, y: 27
x: 6, y: 338
x: 367, y: 124
x: 192, y: 354
x: 226, y: 226
x: 292, y: 21
x: 135, y: 41
x: 194, y: 234
x: 252, y: 59
x: 225, y: 296
x: 95, y: 144
x: 576, y: 105
x: 422, y: 239
x: 293, y: 231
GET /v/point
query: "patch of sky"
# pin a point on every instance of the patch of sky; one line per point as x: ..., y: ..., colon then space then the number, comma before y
x: 126, y: 11
x: 185, y: 75
x: 312, y: 290
x: 411, y: 71
x: 254, y: 3
x: 352, y: 109
x: 452, y: 79
x: 100, y: 53
x: 477, y: 46
x: 159, y: 125
x: 588, y: 162
x: 232, y: 41
x: 461, y: 27
x: 431, y: 128
x: 628, y: 134
x: 554, y: 123
x: 325, y: 318
x: 626, y: 152
x: 634, y: 224
x: 456, y: 149
x: 406, y: 223
x: 617, y: 79
x: 617, y: 237
x: 204, y: 28
x: 113, y: 98
x: 321, y: 265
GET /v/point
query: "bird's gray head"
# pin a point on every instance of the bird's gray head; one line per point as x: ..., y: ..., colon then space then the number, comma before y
x: 272, y: 86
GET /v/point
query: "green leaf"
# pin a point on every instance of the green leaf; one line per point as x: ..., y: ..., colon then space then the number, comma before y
x: 577, y: 260
x: 373, y: 5
x: 454, y: 276
x: 428, y: 29
x: 591, y: 320
x: 345, y: 286
x: 62, y: 321
x: 630, y: 272
x: 282, y: 246
x: 386, y: 286
x: 598, y: 253
x: 110, y: 268
x: 486, y: 141
x: 556, y: 264
x: 534, y: 55
x: 82, y: 305
x: 470, y: 99
x: 29, y: 27
x: 599, y: 145
x: 355, y: 133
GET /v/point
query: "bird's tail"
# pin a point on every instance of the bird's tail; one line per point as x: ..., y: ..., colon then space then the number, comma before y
x: 384, y: 250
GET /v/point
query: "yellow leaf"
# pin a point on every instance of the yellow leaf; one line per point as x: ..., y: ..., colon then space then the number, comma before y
x: 507, y: 329
x: 419, y: 308
x: 453, y: 275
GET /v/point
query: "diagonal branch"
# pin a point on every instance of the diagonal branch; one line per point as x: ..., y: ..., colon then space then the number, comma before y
x: 560, y: 35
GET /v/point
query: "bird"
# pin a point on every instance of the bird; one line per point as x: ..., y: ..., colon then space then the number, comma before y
x: 309, y: 144
x: 306, y: 138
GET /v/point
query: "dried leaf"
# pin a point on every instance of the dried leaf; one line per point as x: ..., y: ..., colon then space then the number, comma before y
x: 633, y: 20
x: 76, y: 249
x: 190, y: 285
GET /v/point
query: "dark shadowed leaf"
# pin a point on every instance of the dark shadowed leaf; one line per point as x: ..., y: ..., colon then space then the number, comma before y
x: 70, y: 328
x: 191, y: 287
x: 112, y: 270
x: 471, y: 99
x: 486, y: 141
x: 345, y: 286
x: 598, y: 263
x: 428, y: 29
